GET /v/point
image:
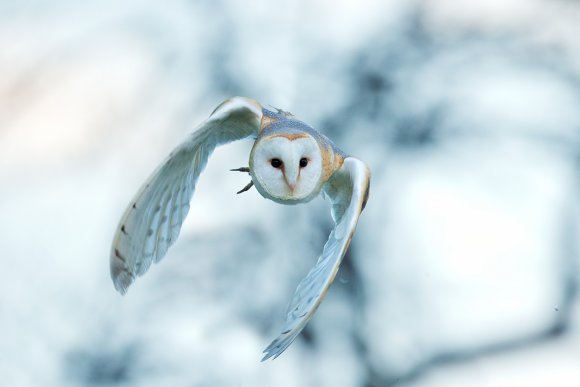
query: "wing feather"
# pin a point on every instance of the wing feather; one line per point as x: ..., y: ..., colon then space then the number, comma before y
x: 347, y: 189
x: 152, y: 221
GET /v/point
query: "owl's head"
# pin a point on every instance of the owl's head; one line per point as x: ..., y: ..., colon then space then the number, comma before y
x: 287, y: 167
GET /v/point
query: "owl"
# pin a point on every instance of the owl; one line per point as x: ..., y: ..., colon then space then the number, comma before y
x: 290, y: 163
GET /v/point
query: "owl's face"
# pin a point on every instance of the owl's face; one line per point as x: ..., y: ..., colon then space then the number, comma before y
x: 287, y: 168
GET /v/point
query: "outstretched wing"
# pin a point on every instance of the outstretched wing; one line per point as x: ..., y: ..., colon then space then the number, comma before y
x: 348, y: 190
x: 153, y: 219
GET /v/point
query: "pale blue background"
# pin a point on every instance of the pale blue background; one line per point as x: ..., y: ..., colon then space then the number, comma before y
x: 464, y: 268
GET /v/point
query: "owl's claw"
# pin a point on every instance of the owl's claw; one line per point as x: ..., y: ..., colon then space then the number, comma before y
x: 250, y: 184
x: 247, y: 187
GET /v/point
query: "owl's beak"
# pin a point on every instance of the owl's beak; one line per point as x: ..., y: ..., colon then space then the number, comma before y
x: 291, y: 178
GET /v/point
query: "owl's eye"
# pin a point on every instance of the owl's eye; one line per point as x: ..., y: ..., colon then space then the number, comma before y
x: 276, y: 163
x: 303, y: 162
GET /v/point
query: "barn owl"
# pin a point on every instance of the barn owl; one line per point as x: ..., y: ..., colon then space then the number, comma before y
x: 289, y: 163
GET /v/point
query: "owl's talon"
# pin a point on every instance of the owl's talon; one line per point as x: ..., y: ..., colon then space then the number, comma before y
x: 250, y: 184
x: 242, y: 169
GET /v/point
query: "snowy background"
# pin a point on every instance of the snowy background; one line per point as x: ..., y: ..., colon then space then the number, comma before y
x: 464, y: 268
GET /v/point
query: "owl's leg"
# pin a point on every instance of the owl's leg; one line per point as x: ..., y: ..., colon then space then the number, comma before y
x: 250, y: 184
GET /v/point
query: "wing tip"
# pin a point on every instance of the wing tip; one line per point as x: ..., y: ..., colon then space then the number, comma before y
x: 122, y: 282
x: 121, y: 277
x: 271, y: 353
x: 278, y: 346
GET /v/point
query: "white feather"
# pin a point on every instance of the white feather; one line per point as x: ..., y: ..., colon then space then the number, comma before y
x: 348, y: 190
x: 153, y: 219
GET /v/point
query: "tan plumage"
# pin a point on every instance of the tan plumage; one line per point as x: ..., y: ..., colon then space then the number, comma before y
x: 290, y: 163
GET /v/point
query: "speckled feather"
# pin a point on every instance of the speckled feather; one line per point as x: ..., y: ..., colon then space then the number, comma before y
x: 152, y: 221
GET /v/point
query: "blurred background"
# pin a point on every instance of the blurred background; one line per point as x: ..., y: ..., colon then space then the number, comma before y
x: 464, y: 268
